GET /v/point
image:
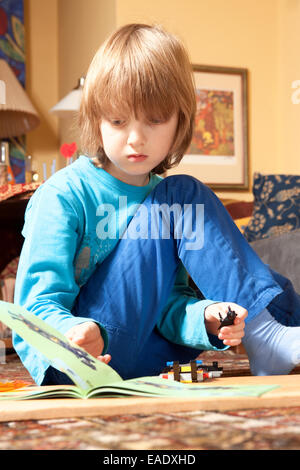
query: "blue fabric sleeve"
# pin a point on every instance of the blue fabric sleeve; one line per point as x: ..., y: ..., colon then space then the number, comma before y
x: 45, y: 283
x: 182, y: 321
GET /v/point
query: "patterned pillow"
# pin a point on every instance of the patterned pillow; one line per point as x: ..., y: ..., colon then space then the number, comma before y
x: 276, y: 206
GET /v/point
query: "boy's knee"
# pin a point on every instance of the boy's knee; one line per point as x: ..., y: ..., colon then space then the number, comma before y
x: 183, y: 186
x: 180, y: 180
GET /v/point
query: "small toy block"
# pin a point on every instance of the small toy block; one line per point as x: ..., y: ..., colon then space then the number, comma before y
x: 177, y: 370
x: 194, y: 371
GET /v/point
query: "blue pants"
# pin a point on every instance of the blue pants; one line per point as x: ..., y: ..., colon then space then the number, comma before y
x: 128, y: 291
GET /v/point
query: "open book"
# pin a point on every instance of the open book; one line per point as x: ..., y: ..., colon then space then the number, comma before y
x: 93, y: 378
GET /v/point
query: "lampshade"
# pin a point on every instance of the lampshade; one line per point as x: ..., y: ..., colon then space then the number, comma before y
x: 17, y: 114
x: 71, y: 102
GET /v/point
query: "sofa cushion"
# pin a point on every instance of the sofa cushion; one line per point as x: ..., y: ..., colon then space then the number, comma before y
x: 282, y: 254
x: 276, y: 206
x: 240, y: 211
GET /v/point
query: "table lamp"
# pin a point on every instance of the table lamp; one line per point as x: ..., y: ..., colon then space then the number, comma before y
x: 17, y: 114
x: 67, y: 108
x: 71, y: 102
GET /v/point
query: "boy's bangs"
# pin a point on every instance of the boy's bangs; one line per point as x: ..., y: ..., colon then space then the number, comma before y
x: 130, y: 92
x: 123, y: 102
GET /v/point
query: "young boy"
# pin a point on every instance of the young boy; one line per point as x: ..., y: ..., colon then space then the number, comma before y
x: 108, y: 243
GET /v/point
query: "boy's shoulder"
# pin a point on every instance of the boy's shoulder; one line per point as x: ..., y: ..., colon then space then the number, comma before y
x: 71, y: 173
x: 68, y: 184
x: 71, y: 178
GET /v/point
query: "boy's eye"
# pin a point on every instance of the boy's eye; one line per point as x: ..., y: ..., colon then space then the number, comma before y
x: 156, y: 121
x: 117, y: 122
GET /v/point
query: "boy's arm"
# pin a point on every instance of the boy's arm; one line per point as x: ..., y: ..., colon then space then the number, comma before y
x: 45, y: 283
x: 183, y: 322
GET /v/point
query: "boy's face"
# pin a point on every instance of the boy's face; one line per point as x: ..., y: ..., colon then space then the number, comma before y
x: 136, y: 145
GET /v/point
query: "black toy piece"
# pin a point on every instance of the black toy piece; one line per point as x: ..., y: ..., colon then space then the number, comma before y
x: 229, y: 319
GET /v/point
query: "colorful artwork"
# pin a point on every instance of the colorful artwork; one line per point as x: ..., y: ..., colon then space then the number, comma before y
x: 214, y: 124
x: 12, y: 50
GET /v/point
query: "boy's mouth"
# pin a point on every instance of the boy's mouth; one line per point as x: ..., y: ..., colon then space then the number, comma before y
x: 137, y: 157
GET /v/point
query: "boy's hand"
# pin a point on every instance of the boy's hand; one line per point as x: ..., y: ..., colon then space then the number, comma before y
x: 231, y: 335
x: 87, y: 335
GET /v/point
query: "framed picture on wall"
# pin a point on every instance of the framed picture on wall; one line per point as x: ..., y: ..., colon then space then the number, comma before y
x: 218, y: 154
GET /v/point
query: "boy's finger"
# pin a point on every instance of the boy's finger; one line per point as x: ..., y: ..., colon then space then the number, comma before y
x: 106, y: 358
x: 232, y: 342
x: 231, y: 334
x: 233, y: 328
x: 242, y: 315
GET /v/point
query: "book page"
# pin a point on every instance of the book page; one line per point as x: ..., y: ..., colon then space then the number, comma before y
x: 157, y: 386
x: 86, y: 371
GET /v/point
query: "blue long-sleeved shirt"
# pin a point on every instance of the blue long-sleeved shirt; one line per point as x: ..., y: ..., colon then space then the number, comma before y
x: 62, y: 249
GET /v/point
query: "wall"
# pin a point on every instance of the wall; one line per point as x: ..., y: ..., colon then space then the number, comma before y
x: 288, y: 71
x: 235, y: 33
x: 260, y: 35
x: 41, y: 36
x: 82, y: 27
x: 61, y: 38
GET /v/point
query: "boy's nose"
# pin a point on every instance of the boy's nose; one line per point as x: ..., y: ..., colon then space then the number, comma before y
x: 136, y: 137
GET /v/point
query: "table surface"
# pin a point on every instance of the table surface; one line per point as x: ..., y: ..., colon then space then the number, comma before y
x: 8, y: 191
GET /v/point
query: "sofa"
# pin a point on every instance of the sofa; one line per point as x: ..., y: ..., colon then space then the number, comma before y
x: 271, y: 222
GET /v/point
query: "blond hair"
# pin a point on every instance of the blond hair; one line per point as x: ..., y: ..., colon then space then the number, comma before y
x: 139, y: 68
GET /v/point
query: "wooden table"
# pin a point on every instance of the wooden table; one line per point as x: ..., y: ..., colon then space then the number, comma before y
x: 286, y: 395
